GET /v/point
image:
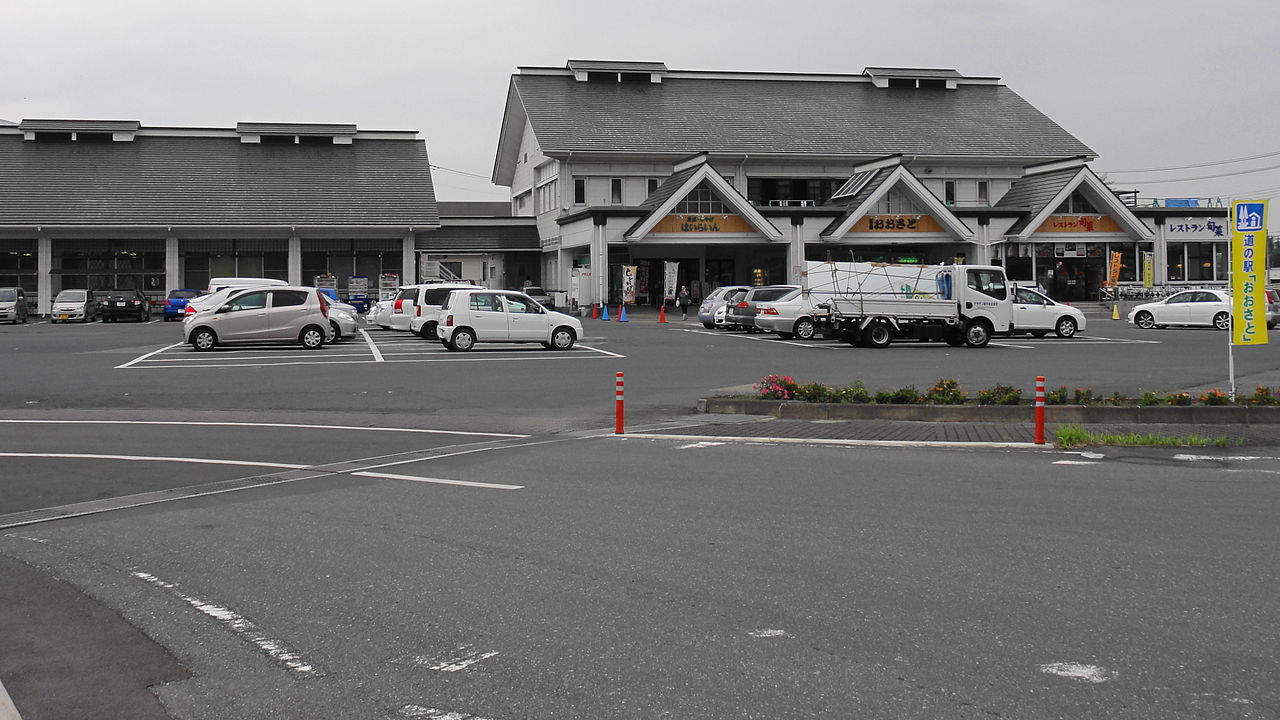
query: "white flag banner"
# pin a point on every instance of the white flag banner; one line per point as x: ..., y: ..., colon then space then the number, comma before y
x: 629, y: 284
x: 671, y: 275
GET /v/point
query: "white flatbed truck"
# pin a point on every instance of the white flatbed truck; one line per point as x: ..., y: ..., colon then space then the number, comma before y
x: 873, y: 304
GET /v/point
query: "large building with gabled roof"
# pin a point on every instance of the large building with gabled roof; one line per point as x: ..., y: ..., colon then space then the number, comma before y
x: 111, y: 203
x: 740, y: 177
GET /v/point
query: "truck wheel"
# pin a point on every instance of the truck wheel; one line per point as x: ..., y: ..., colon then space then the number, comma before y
x: 976, y: 334
x: 877, y: 335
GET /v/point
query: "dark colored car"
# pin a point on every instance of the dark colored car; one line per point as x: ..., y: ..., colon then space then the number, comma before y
x: 742, y: 312
x: 176, y: 304
x: 115, y: 304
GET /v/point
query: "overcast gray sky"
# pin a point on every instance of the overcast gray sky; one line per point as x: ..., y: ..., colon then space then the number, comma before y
x: 1146, y: 84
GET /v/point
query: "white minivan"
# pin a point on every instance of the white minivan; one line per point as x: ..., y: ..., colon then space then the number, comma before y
x: 481, y: 315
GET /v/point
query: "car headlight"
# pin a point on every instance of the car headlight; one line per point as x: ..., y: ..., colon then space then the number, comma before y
x: 342, y: 314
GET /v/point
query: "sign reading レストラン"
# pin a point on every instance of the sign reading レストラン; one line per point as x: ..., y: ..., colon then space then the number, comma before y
x: 1249, y: 273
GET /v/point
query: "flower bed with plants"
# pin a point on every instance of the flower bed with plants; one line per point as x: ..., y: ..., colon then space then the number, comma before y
x: 946, y: 401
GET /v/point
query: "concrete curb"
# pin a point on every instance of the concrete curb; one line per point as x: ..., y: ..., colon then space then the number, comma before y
x: 1079, y: 414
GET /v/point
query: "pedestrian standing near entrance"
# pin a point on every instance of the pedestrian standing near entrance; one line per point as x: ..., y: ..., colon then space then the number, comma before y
x: 683, y: 299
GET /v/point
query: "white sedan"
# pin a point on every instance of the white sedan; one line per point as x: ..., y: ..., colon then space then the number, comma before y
x: 1209, y: 308
x: 1035, y: 313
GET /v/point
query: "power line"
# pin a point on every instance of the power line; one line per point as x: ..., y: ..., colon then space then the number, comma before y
x: 1198, y: 177
x: 1197, y: 165
x: 461, y: 172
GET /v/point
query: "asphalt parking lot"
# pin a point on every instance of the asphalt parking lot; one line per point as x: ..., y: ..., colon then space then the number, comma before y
x: 385, y: 528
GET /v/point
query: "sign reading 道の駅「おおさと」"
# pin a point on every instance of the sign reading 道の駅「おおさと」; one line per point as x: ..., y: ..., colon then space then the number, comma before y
x: 1249, y: 272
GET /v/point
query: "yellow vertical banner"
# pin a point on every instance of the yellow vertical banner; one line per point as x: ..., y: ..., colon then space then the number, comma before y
x: 1249, y: 272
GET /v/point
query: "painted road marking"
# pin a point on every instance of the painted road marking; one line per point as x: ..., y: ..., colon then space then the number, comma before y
x: 231, y: 358
x: 767, y: 633
x: 155, y: 458
x: 441, y: 481
x: 430, y: 713
x: 1074, y: 462
x: 144, y: 357
x: 773, y: 340
x: 238, y: 625
x: 632, y: 435
x: 373, y: 348
x: 1079, y: 672
x: 270, y: 425
x: 460, y: 659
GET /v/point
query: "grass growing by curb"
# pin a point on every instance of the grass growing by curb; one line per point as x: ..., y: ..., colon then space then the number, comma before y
x: 1072, y: 436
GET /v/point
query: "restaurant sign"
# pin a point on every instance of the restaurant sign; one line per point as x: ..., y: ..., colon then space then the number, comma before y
x: 1079, y: 224
x: 896, y: 224
x: 703, y: 224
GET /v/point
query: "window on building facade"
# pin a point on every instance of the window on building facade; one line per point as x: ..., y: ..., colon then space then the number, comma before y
x: 521, y: 203
x: 984, y: 192
x: 545, y: 197
x: 615, y: 191
x: 896, y: 202
x: 580, y: 191
x: 651, y: 185
x: 790, y: 191
x: 949, y: 192
x: 1076, y: 204
x: 702, y: 200
x: 1197, y: 261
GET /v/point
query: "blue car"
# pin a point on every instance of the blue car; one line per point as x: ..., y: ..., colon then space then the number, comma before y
x: 176, y: 304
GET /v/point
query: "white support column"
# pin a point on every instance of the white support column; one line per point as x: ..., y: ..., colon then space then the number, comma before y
x: 1160, y: 250
x: 408, y: 261
x: 795, y: 251
x: 44, y: 275
x: 172, y: 269
x: 600, y: 261
x: 295, y: 260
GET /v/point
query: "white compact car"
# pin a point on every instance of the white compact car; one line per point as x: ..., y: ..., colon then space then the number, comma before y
x: 270, y: 314
x: 1208, y: 308
x: 479, y: 315
x: 1035, y: 313
x: 427, y: 305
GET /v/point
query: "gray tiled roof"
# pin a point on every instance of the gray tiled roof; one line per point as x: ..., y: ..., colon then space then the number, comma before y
x: 896, y: 72
x: 472, y: 238
x: 1034, y: 192
x: 668, y: 187
x: 687, y: 115
x: 617, y: 66
x: 266, y: 128
x: 102, y: 126
x: 214, y: 181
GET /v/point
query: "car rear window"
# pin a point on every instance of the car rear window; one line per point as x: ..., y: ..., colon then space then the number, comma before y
x: 183, y: 294
x: 435, y: 296
x: 770, y: 294
x: 406, y: 293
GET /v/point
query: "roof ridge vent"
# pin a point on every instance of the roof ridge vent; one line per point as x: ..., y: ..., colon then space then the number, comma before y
x: 617, y: 71
x: 337, y: 133
x: 914, y: 78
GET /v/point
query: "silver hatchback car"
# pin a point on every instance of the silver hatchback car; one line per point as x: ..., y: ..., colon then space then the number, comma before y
x: 265, y: 314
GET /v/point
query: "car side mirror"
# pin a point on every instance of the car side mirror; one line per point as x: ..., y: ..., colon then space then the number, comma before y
x: 223, y: 309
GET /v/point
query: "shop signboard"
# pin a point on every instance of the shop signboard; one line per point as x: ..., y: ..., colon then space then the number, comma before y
x: 896, y: 224
x: 629, y: 284
x: 1148, y: 268
x: 703, y: 224
x: 670, y: 276
x: 1079, y: 224
x: 1249, y: 272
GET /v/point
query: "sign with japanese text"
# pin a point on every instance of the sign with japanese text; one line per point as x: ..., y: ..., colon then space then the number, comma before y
x: 1113, y: 271
x: 703, y: 224
x: 670, y: 276
x: 1148, y: 268
x: 629, y: 284
x: 1188, y: 228
x: 1079, y: 224
x: 896, y: 224
x: 1248, y: 272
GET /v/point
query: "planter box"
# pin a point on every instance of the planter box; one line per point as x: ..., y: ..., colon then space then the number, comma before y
x: 1058, y: 414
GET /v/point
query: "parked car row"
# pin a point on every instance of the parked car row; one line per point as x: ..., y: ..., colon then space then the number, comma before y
x: 459, y: 315
x: 788, y: 311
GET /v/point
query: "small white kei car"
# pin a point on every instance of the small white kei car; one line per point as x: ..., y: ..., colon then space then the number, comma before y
x: 1035, y: 313
x: 481, y: 315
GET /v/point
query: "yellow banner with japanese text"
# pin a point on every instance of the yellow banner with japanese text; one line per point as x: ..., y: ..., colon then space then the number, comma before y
x: 1249, y: 272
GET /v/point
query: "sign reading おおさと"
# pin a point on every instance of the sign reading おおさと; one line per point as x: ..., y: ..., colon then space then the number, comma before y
x: 1249, y: 272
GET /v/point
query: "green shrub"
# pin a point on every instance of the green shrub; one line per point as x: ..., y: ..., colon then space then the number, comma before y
x: 1056, y: 397
x: 1150, y: 398
x: 1263, y: 396
x: 1000, y: 395
x: 815, y: 393
x: 1083, y: 396
x: 855, y: 394
x: 1116, y: 398
x: 945, y: 392
x: 1215, y: 397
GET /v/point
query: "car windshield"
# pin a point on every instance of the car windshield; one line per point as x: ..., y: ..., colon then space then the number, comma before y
x: 8, y: 295
x: 70, y: 296
x: 183, y: 294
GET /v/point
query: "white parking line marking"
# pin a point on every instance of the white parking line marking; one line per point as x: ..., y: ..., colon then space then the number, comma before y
x: 460, y: 659
x: 821, y: 441
x: 269, y: 425
x: 1078, y: 671
x: 430, y: 713
x: 144, y: 357
x: 238, y: 624
x: 604, y: 352
x: 767, y: 633
x: 439, y: 481
x: 1074, y: 462
x: 377, y: 354
x: 155, y: 458
x: 225, y: 354
x: 775, y: 341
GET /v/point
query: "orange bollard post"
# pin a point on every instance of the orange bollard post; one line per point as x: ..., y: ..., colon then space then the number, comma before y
x: 617, y: 413
x: 1039, y: 409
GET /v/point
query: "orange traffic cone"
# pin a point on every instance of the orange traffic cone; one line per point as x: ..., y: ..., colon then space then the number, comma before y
x: 595, y: 311
x: 662, y: 313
